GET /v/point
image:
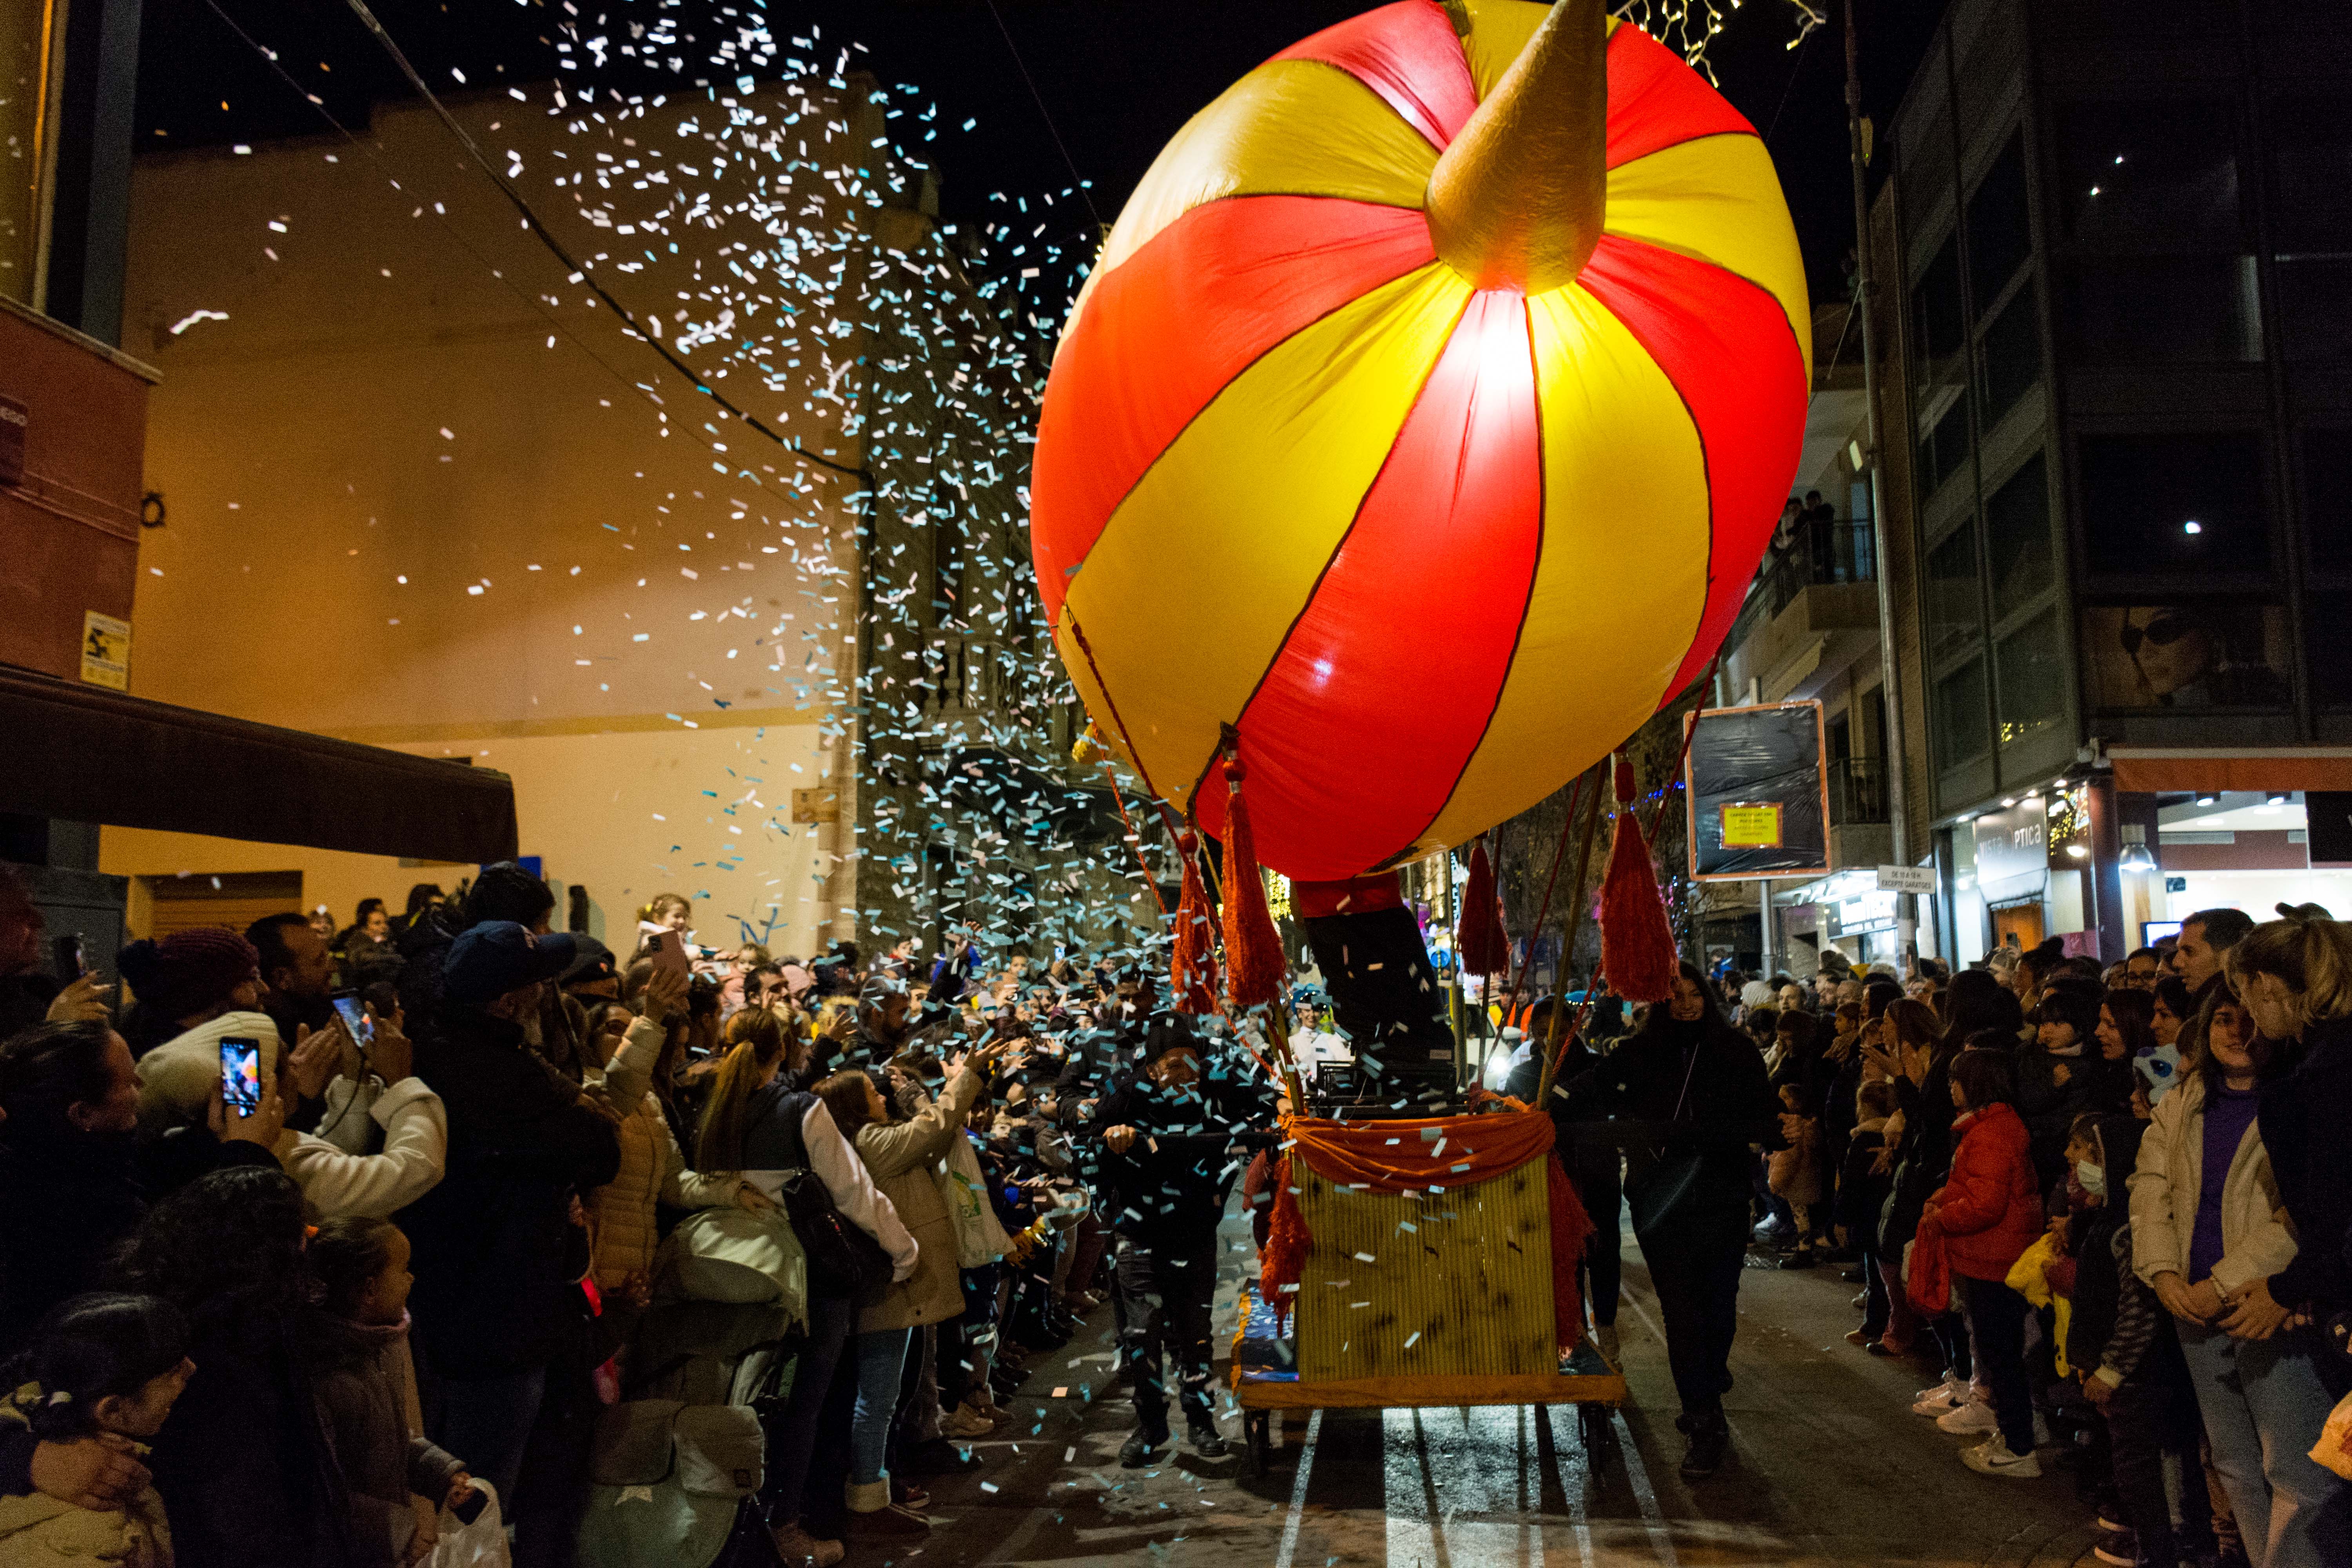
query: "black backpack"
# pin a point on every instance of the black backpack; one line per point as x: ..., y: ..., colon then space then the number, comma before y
x: 842, y: 1260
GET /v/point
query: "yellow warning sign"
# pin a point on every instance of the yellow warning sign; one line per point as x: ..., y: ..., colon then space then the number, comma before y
x: 105, y: 650
x: 1751, y: 826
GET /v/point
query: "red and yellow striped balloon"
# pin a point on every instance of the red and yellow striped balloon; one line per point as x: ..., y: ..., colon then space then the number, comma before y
x: 1432, y: 546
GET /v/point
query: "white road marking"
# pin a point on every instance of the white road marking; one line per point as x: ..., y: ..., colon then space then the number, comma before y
x: 1661, y: 1541
x: 1299, y: 1489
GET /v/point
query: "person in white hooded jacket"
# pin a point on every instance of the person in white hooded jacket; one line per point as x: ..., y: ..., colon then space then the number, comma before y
x: 2198, y: 1243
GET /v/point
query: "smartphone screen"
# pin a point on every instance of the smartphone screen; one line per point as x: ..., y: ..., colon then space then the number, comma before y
x: 670, y: 951
x: 67, y: 959
x: 354, y: 1014
x: 240, y: 1065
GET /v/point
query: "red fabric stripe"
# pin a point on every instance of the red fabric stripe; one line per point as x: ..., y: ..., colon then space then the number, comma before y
x: 1381, y: 692
x: 1164, y: 332
x: 1408, y: 54
x: 1657, y: 101
x: 1726, y: 344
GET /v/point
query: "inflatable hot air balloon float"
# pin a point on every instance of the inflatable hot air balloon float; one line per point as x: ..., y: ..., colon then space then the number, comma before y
x: 1424, y: 418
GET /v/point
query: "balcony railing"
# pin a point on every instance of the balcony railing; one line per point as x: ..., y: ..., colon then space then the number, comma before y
x: 1857, y: 787
x: 1814, y: 554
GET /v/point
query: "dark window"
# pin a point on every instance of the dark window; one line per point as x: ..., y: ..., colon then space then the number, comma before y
x: 2311, y: 176
x: 2011, y: 357
x: 2314, y: 295
x: 2331, y: 673
x: 2153, y: 177
x: 2174, y: 505
x: 2017, y: 537
x: 1926, y: 157
x: 2201, y: 654
x: 1944, y: 451
x: 2327, y: 509
x: 1955, y: 618
x: 1938, y: 330
x: 2000, y: 226
x: 1959, y: 715
x: 2033, y: 679
x: 2145, y: 310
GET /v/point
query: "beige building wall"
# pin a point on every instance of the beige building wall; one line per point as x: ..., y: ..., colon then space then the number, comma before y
x: 408, y: 505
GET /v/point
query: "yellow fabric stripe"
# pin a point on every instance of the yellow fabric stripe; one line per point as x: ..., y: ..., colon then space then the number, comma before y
x: 1623, y: 576
x: 1499, y: 29
x: 1718, y: 199
x: 1290, y: 127
x: 1196, y: 580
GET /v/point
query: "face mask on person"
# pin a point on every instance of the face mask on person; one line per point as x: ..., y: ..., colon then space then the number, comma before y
x: 2094, y: 1177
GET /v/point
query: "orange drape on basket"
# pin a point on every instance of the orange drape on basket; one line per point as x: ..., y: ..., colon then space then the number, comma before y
x: 1463, y: 1151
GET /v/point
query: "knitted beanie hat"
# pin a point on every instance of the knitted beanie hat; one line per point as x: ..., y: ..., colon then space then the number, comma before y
x: 189, y: 971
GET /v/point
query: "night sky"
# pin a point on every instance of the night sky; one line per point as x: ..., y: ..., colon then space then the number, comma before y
x: 1119, y: 78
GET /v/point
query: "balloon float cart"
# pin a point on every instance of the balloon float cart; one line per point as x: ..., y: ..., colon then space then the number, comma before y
x: 1425, y: 1277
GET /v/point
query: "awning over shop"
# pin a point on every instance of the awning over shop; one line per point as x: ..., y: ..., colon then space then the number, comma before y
x: 2152, y: 770
x: 86, y: 754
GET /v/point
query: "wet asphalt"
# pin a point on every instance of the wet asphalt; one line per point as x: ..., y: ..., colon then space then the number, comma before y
x: 1827, y: 1466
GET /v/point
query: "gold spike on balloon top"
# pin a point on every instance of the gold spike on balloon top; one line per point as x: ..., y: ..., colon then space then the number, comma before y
x: 1517, y: 200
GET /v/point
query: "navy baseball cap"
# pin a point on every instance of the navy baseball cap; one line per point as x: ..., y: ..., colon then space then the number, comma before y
x: 490, y: 960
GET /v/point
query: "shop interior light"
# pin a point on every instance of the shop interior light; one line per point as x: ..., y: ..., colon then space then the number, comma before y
x: 2135, y: 857
x: 2208, y: 800
x: 2011, y: 801
x: 2077, y: 851
x: 2193, y: 526
x: 2277, y: 800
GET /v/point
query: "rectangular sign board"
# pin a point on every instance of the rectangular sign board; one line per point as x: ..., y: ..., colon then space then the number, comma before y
x: 1754, y: 780
x: 1906, y: 879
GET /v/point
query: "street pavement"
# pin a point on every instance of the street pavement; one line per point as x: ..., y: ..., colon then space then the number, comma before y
x: 1827, y: 1466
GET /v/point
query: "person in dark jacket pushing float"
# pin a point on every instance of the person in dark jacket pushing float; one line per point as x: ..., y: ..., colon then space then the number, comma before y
x: 1698, y: 1088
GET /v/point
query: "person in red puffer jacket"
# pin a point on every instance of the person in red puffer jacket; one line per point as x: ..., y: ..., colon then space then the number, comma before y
x: 1984, y: 1216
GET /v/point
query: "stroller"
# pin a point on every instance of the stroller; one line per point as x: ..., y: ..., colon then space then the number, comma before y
x: 677, y: 1464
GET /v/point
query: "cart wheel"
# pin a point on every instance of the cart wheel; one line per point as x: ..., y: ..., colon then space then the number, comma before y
x: 1592, y: 1430
x: 1254, y: 1442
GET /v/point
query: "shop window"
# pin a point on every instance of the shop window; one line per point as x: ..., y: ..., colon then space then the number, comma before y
x: 2033, y: 679
x: 2017, y: 538
x: 2185, y: 656
x: 2010, y: 360
x: 2174, y: 504
x: 2325, y: 617
x: 1953, y: 615
x: 2311, y: 174
x: 2000, y: 233
x: 2145, y: 309
x: 2314, y: 294
x: 2158, y: 177
x: 2327, y: 459
x: 1958, y: 715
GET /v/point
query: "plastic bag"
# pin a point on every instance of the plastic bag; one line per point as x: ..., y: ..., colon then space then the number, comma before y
x: 2333, y: 1450
x: 481, y: 1544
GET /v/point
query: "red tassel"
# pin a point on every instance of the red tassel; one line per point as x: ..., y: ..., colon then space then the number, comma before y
x: 1253, y: 963
x: 1637, y: 947
x: 1479, y: 938
x: 1192, y: 965
x: 1571, y: 1227
x: 1287, y: 1243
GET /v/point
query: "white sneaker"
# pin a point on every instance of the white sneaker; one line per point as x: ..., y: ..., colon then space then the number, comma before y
x: 1942, y: 1398
x: 964, y: 1422
x: 1973, y: 1416
x: 1992, y: 1458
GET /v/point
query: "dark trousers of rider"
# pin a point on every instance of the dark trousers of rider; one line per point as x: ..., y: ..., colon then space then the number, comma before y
x: 1167, y: 1286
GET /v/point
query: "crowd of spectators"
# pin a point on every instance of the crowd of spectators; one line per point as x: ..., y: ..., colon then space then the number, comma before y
x: 2104, y: 1204
x: 406, y: 1272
